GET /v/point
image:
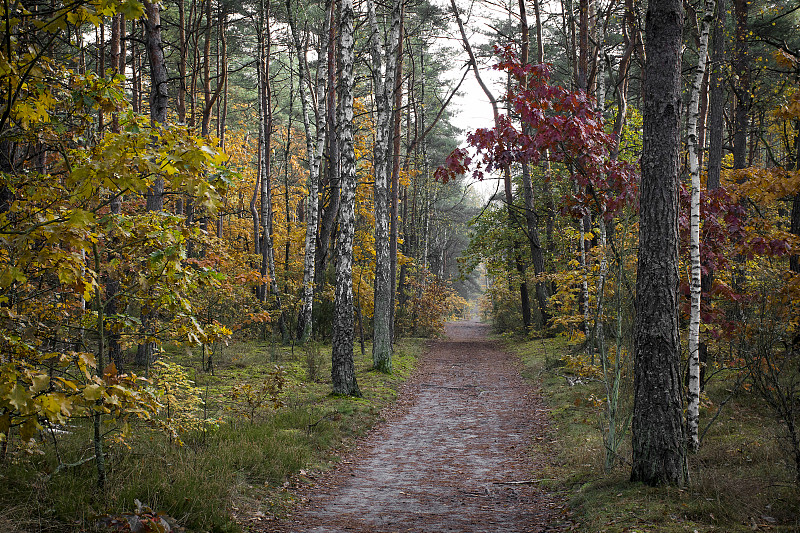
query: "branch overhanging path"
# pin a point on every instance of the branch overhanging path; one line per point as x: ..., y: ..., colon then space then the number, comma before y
x: 453, y: 455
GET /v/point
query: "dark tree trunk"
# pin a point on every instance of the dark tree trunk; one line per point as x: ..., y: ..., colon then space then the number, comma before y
x: 159, y: 101
x: 741, y: 85
x: 659, y: 454
x: 794, y: 260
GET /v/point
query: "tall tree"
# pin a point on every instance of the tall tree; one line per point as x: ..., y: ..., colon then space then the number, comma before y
x: 657, y: 430
x: 509, y: 195
x: 343, y: 369
x: 384, y: 86
x: 315, y: 146
x: 159, y: 102
x: 265, y: 121
x: 531, y: 218
x: 693, y: 410
x: 741, y: 84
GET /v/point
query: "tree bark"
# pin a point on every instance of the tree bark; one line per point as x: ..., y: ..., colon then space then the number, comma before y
x: 741, y: 85
x: 657, y: 431
x: 315, y: 146
x: 342, y: 368
x: 328, y: 216
x: 693, y: 409
x: 384, y: 85
x: 159, y: 101
x: 265, y: 122
x: 531, y: 218
x: 159, y: 96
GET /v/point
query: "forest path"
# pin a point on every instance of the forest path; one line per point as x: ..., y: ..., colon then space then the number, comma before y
x: 461, y: 430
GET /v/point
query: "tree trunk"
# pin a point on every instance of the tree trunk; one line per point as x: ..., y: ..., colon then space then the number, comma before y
x: 315, y: 146
x: 741, y: 85
x: 531, y: 218
x: 395, y: 181
x: 524, y: 298
x: 693, y: 409
x: 329, y: 213
x: 384, y: 86
x: 265, y: 122
x: 159, y: 101
x: 657, y: 430
x: 342, y: 366
x: 159, y: 96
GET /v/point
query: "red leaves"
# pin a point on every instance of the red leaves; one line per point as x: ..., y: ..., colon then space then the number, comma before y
x: 559, y: 122
x: 456, y: 164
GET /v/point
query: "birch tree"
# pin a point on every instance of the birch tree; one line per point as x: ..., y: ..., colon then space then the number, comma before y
x: 315, y: 146
x: 384, y: 86
x: 693, y: 411
x: 342, y: 368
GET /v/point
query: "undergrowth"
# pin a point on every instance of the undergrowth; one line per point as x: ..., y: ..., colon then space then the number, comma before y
x: 225, y: 474
x: 741, y: 480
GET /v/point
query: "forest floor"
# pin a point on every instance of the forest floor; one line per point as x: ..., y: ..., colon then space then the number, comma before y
x: 453, y: 454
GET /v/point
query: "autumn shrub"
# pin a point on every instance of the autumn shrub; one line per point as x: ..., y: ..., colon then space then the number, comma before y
x: 250, y: 400
x: 766, y: 344
x: 182, y: 402
x: 432, y: 303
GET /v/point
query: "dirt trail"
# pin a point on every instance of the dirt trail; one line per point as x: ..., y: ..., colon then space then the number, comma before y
x: 465, y: 421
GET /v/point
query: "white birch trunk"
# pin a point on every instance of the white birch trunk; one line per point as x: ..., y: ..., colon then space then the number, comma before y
x: 315, y: 146
x: 693, y: 410
x: 342, y: 367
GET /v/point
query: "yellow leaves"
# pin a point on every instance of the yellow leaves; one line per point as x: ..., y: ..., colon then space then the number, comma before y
x: 57, y: 407
x: 764, y: 185
x: 18, y: 397
x: 10, y: 275
x: 790, y: 110
x: 132, y: 9
x: 93, y: 392
x: 39, y: 383
x: 31, y: 112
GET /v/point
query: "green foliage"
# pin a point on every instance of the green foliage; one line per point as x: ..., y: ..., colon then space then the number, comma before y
x: 207, y: 484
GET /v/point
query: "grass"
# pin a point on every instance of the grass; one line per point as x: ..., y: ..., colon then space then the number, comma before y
x: 237, y: 469
x: 741, y: 480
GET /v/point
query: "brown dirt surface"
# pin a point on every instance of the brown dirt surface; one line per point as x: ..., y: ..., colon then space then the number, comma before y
x: 447, y: 455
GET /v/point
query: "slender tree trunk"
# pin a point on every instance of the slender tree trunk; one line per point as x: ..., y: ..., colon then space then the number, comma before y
x: 315, y: 146
x: 180, y: 105
x: 794, y: 224
x: 524, y: 298
x: 159, y: 101
x: 693, y: 410
x: 159, y: 96
x: 531, y: 218
x: 329, y: 213
x: 342, y: 367
x: 741, y: 85
x: 265, y: 122
x: 395, y: 181
x: 384, y: 85
x: 658, y: 443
